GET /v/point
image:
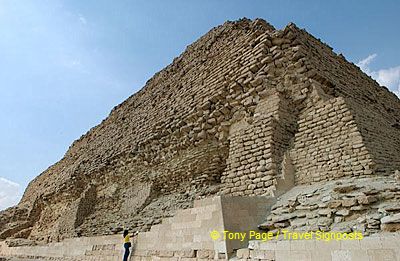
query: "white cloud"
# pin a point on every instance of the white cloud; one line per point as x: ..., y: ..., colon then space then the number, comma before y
x: 364, y: 64
x: 10, y: 193
x: 389, y: 77
x: 82, y: 19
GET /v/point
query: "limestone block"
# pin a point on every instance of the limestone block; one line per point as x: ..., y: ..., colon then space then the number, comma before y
x: 390, y: 227
x: 243, y: 253
x: 262, y: 254
x: 164, y: 253
x: 349, y: 202
x: 295, y: 255
x: 371, y: 243
x: 391, y: 219
x: 382, y: 254
x: 205, y: 254
x: 185, y: 254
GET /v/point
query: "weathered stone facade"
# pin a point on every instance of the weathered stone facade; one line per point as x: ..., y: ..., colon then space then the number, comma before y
x: 186, y: 237
x: 368, y: 205
x: 243, y: 110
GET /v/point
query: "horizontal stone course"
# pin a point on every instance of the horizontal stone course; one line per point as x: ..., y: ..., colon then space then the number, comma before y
x: 369, y: 248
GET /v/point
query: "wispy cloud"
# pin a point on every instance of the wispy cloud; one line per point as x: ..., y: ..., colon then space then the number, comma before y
x: 82, y: 19
x: 364, y: 64
x: 389, y: 77
x: 10, y: 193
x: 73, y: 63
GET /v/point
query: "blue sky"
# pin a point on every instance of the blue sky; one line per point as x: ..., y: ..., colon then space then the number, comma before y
x: 65, y: 64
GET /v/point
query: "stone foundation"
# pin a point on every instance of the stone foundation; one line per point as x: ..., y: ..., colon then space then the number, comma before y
x: 186, y: 235
x: 105, y: 248
x: 374, y: 248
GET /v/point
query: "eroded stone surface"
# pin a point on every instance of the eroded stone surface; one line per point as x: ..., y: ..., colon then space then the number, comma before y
x: 352, y: 204
x: 237, y: 113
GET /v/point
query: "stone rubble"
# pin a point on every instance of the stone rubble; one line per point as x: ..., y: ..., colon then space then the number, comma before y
x: 368, y: 205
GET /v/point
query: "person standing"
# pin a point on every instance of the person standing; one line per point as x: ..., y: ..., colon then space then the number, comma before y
x: 127, y: 245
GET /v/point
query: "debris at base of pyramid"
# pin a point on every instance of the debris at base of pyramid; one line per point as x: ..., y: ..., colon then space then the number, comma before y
x: 245, y: 110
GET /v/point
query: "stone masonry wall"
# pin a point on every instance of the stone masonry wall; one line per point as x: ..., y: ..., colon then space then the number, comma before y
x: 189, y: 229
x: 328, y: 144
x: 222, y: 118
x: 165, y: 135
x: 376, y: 110
x: 243, y: 214
x: 365, y: 204
x: 380, y: 247
x: 186, y: 235
x: 104, y: 248
x: 257, y: 145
